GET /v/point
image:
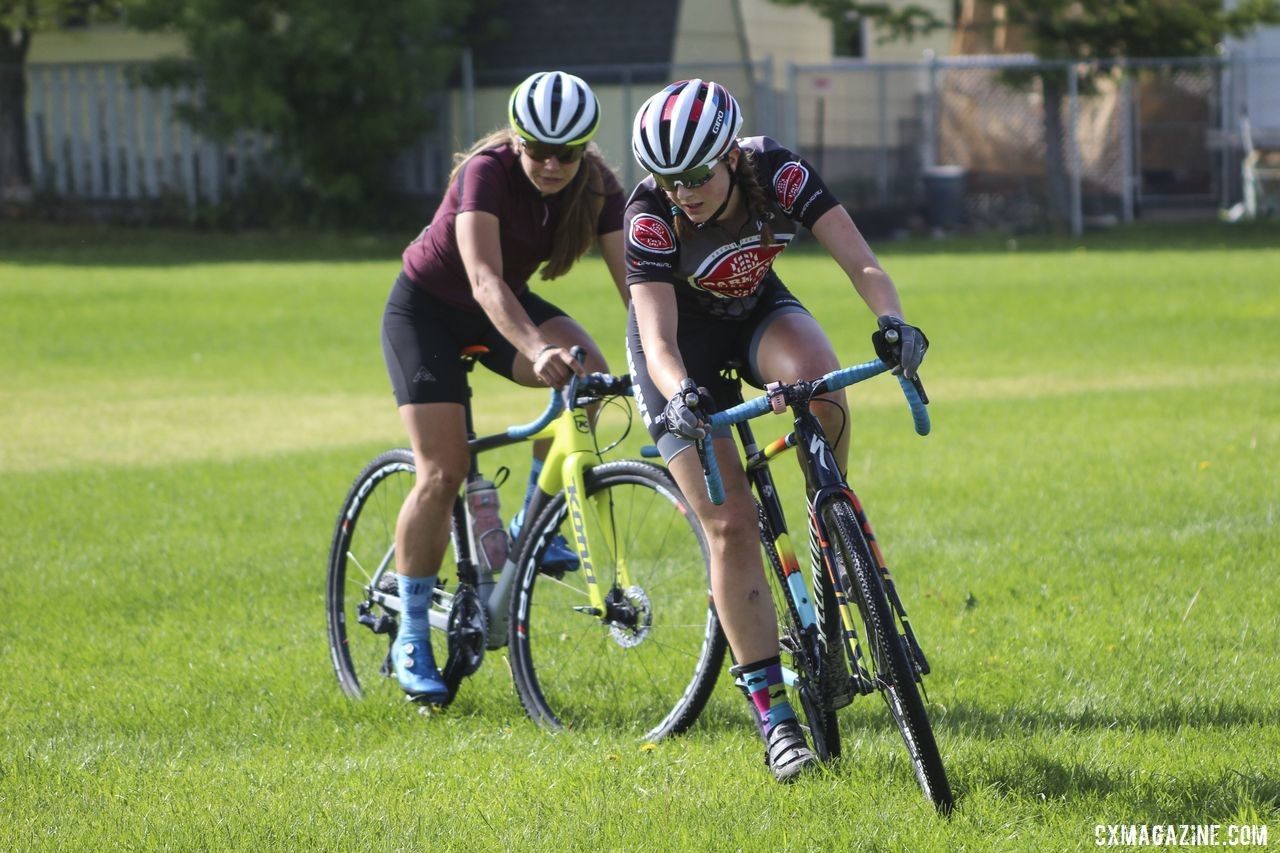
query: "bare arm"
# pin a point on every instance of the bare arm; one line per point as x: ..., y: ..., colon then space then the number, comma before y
x: 612, y: 250
x: 479, y: 243
x: 837, y: 233
x: 655, y: 307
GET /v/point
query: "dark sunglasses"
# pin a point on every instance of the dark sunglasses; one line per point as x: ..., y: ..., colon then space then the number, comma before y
x: 690, y: 179
x: 542, y: 152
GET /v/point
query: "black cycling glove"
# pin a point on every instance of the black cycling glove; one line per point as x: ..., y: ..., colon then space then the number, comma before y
x: 901, y: 344
x: 683, y: 414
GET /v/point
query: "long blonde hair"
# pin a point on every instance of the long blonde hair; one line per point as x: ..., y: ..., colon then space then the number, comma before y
x: 579, y: 211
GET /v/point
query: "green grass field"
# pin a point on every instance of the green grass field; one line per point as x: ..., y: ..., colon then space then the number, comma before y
x: 1087, y: 544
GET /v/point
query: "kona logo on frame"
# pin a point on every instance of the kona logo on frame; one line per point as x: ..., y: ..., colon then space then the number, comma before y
x: 580, y: 530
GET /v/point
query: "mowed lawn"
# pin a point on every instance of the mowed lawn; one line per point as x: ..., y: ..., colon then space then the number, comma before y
x: 1087, y: 545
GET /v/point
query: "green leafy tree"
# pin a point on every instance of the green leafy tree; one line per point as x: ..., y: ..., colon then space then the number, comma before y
x: 19, y: 21
x: 340, y: 87
x: 1084, y: 31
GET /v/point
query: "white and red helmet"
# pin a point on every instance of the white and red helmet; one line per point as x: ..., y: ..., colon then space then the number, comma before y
x: 555, y: 108
x: 690, y: 123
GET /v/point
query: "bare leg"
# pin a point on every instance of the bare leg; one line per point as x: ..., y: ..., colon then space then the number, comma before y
x: 738, y: 584
x: 437, y: 432
x: 795, y: 347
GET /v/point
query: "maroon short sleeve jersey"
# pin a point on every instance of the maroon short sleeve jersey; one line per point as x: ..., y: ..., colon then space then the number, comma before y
x: 716, y: 272
x: 494, y: 182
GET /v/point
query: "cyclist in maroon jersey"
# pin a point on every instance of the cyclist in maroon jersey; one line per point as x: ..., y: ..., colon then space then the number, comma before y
x: 703, y: 232
x: 534, y: 194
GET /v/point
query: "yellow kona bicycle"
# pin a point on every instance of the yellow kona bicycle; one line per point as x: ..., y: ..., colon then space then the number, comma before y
x: 627, y: 638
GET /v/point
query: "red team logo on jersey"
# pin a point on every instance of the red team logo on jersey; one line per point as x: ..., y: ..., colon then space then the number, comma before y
x: 739, y: 273
x: 651, y: 233
x: 788, y: 183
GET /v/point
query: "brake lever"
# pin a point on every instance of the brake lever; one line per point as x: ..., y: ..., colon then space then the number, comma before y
x: 891, y: 336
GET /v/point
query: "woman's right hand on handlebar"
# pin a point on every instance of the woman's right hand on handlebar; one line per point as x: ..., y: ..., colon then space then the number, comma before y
x: 555, y: 365
x: 685, y: 410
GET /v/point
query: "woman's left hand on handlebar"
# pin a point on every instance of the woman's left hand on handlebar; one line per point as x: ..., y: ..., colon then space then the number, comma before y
x: 903, y: 343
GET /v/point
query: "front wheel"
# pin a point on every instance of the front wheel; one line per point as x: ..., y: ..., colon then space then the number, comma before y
x: 648, y: 660
x: 894, y: 673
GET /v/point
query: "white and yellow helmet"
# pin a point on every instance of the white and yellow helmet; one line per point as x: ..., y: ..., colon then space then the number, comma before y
x: 554, y: 108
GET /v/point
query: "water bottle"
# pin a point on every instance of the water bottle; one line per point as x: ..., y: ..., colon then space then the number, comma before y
x: 487, y: 529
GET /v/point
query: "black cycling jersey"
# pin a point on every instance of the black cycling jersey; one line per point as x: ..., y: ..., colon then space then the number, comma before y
x: 717, y: 273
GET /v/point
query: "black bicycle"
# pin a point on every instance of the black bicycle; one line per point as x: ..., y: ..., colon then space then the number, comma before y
x: 845, y: 632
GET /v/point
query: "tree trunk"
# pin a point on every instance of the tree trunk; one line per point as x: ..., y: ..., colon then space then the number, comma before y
x: 1055, y: 158
x: 15, y: 164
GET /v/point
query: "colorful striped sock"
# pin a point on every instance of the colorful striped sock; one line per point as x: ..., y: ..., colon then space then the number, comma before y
x: 768, y: 694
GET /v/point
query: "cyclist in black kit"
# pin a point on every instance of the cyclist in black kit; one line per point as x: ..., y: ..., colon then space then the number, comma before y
x: 528, y: 196
x: 702, y: 232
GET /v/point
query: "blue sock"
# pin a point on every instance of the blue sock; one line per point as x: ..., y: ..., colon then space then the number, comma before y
x: 535, y: 468
x: 415, y: 601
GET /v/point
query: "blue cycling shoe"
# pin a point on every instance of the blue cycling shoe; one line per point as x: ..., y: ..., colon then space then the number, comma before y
x: 557, y: 557
x: 416, y: 670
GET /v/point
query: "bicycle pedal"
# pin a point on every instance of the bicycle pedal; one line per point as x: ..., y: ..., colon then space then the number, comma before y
x: 428, y: 703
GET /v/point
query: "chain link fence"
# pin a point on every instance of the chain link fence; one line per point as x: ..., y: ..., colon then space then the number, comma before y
x: 1012, y: 142
x: 980, y: 142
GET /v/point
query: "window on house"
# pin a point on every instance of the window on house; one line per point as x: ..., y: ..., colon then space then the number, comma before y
x: 850, y: 37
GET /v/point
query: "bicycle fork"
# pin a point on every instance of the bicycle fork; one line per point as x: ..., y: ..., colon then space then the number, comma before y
x: 890, y: 589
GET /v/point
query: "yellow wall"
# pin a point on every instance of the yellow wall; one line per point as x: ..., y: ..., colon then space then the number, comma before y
x: 788, y: 34
x: 902, y: 50
x: 706, y: 31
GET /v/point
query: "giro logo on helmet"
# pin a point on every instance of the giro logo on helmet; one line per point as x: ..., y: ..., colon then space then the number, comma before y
x: 788, y: 183
x: 651, y: 233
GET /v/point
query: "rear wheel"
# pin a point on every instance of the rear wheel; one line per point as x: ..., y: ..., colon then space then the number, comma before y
x: 650, y: 661
x: 893, y: 672
x: 361, y: 596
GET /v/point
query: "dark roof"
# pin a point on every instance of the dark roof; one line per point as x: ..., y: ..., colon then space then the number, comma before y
x: 589, y: 38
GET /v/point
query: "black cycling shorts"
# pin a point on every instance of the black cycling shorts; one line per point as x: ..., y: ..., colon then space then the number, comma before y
x: 707, y: 346
x: 422, y: 338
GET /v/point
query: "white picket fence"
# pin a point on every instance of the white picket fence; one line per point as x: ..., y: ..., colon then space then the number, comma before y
x: 93, y: 133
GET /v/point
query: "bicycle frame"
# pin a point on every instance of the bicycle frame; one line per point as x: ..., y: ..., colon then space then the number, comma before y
x: 571, y: 454
x: 823, y: 482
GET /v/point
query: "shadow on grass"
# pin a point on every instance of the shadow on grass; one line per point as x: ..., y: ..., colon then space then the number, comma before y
x: 98, y: 246
x: 1139, y: 795
x: 36, y: 243
x: 1148, y: 794
x: 1206, y: 235
x: 1164, y: 717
